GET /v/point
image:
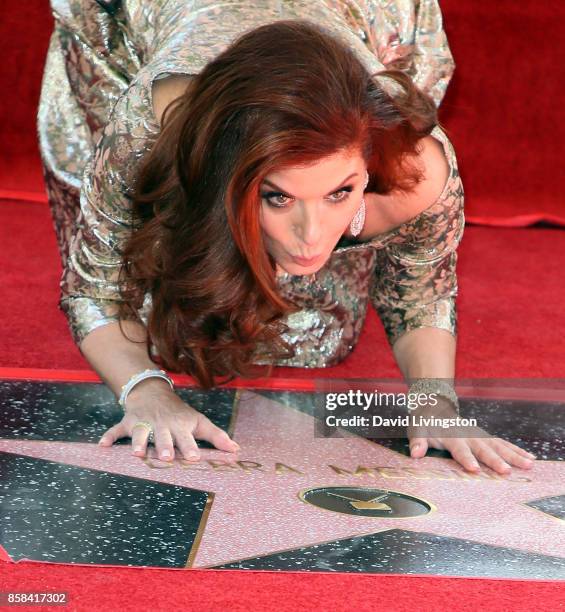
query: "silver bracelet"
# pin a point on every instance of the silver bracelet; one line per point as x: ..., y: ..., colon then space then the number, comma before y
x: 137, y: 378
x: 438, y: 387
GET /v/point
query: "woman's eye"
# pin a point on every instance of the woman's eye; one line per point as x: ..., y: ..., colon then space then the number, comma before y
x: 280, y: 200
x: 276, y: 200
x: 343, y: 194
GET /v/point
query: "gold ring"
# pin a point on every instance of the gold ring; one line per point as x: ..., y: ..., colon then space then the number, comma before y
x: 149, y: 427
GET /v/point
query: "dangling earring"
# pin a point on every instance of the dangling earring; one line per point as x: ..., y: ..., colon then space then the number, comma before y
x: 359, y: 219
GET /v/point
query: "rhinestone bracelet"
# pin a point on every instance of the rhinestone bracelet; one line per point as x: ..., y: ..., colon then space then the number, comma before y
x: 137, y: 378
x: 438, y: 387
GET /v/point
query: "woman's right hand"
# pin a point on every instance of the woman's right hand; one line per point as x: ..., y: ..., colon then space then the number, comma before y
x: 174, y: 422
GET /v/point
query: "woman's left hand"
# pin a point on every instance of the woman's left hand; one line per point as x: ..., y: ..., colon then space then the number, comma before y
x: 468, y: 446
x: 496, y: 453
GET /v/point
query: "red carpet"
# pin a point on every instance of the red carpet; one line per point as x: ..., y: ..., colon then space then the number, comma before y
x: 198, y: 590
x: 502, y: 112
x: 503, y: 108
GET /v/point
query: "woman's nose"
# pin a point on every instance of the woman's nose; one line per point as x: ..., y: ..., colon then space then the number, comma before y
x: 309, y: 226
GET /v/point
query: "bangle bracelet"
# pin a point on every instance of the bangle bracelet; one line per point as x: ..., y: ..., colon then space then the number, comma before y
x: 437, y: 387
x: 137, y: 378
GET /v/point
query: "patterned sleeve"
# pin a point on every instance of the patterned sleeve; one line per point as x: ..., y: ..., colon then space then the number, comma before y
x: 89, y: 286
x: 408, y: 35
x: 415, y: 283
x: 432, y: 62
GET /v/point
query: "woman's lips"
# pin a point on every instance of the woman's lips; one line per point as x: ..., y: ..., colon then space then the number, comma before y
x: 302, y: 261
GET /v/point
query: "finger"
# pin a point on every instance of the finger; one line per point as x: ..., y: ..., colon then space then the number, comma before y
x: 462, y: 453
x: 510, y: 455
x: 139, y: 440
x: 164, y: 444
x: 186, y: 444
x: 518, y: 450
x: 114, y: 433
x: 418, y: 447
x: 485, y: 453
x: 206, y: 430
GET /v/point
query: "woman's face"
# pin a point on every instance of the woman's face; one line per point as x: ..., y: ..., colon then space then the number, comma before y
x: 306, y: 210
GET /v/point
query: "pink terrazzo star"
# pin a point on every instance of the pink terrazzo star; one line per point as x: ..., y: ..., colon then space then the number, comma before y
x: 255, y: 508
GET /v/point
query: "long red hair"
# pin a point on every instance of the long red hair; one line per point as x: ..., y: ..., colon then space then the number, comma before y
x: 284, y: 94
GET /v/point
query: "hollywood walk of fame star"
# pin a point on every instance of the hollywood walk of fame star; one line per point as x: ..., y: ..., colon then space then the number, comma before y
x: 255, y: 508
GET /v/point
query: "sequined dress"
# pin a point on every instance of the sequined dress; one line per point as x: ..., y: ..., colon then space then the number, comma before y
x: 95, y: 122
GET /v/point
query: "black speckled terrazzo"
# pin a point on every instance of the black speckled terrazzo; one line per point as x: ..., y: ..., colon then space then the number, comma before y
x: 404, y: 552
x: 56, y: 512
x: 64, y: 499
x: 554, y: 506
x: 72, y: 412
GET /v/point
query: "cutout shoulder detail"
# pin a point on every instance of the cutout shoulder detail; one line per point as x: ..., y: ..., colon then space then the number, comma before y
x: 164, y: 88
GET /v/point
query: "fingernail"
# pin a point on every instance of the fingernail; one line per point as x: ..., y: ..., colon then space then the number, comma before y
x: 192, y: 454
x: 102, y: 440
x: 138, y: 449
x: 166, y: 453
x: 532, y: 455
x: 236, y: 446
x: 416, y: 447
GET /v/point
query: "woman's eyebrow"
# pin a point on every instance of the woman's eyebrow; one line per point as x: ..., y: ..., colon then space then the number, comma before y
x: 291, y: 196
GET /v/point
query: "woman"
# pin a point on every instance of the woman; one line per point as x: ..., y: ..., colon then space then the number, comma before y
x: 243, y: 172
